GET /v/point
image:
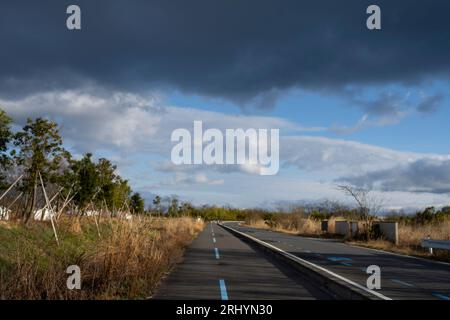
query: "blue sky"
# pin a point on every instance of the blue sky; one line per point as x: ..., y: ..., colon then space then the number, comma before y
x: 417, y: 132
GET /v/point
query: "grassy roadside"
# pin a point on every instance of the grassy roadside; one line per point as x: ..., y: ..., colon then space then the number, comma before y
x: 119, y: 259
x: 410, y: 236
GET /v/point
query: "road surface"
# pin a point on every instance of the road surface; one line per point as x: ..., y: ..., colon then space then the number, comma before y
x: 402, y: 277
x: 219, y: 266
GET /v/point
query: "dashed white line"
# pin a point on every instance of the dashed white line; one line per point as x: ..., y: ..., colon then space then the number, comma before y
x: 402, y: 282
x: 216, y: 251
x: 223, y: 290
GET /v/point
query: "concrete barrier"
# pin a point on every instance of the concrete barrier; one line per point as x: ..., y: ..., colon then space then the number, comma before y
x: 354, y: 228
x: 342, y: 228
x: 324, y: 226
x: 389, y: 230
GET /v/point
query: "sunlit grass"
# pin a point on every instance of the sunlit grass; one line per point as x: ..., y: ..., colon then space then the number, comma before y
x: 127, y: 259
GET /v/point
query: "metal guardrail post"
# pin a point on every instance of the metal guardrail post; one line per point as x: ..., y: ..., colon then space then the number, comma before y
x: 430, y: 250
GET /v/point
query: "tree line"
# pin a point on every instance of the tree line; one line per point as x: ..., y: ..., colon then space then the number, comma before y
x: 34, y: 157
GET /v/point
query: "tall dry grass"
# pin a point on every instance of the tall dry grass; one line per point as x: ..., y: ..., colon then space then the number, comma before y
x: 288, y: 223
x: 410, y: 236
x: 118, y: 259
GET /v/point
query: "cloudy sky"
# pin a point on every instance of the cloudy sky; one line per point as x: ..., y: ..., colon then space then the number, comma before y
x: 370, y: 108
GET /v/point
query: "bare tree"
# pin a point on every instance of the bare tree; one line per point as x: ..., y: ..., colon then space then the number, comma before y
x: 367, y: 205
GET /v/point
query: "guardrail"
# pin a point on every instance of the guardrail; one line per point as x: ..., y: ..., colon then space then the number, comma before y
x: 435, y: 244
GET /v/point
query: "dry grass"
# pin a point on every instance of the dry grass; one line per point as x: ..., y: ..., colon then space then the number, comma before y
x: 259, y: 224
x: 410, y: 236
x: 292, y: 224
x: 119, y: 259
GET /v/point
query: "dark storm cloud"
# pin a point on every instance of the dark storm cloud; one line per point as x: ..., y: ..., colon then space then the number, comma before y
x: 430, y: 104
x: 425, y: 175
x: 233, y: 49
x: 383, y: 104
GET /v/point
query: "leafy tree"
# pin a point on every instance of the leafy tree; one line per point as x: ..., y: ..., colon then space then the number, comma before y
x: 86, y: 180
x: 426, y: 216
x: 121, y: 193
x: 445, y: 211
x: 5, y: 138
x: 157, y: 205
x: 137, y: 203
x: 173, y: 207
x: 98, y: 183
x: 187, y: 209
x: 38, y: 149
x: 107, y: 180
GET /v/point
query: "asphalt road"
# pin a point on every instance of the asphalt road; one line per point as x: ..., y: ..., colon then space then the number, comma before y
x: 402, y: 277
x: 219, y: 266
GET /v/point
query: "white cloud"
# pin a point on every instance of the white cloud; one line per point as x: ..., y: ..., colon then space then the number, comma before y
x: 91, y: 121
x: 340, y: 157
x: 135, y: 129
x: 182, y: 179
x: 366, y: 122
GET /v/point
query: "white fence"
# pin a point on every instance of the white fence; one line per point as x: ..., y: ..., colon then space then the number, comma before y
x: 4, y: 213
x: 42, y: 215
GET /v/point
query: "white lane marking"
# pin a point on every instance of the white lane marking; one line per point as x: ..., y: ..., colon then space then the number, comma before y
x: 346, y: 264
x: 214, y: 240
x: 440, y: 296
x: 357, y: 285
x: 338, y: 259
x: 223, y: 290
x: 216, y: 251
x: 402, y: 282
